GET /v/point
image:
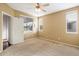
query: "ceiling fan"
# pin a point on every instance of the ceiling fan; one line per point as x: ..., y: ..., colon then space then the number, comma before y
x: 40, y: 6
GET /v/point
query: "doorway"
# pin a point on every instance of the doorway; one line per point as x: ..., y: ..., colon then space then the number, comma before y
x: 6, y: 31
x: 28, y: 27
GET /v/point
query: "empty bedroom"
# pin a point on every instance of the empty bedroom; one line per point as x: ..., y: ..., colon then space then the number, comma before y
x: 39, y: 29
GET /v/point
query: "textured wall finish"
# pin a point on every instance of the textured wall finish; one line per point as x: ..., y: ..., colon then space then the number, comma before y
x: 54, y: 27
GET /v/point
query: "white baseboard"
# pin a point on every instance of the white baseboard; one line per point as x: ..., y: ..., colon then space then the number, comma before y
x: 61, y: 42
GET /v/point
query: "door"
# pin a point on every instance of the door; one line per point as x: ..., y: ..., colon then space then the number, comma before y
x: 17, y: 30
x: 6, y: 31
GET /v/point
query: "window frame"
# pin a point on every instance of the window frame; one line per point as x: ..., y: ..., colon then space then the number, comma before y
x: 76, y: 22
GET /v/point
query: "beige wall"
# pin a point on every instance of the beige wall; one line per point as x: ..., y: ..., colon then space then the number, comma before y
x: 6, y: 8
x: 54, y: 27
x: 19, y: 13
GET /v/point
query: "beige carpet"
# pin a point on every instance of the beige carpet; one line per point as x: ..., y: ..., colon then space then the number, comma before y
x: 39, y: 47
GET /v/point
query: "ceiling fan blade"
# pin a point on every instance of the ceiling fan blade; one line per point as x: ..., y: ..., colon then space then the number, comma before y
x: 42, y: 9
x: 35, y: 4
x: 39, y: 6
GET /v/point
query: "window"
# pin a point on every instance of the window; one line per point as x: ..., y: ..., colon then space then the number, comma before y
x: 71, y: 22
x: 28, y: 24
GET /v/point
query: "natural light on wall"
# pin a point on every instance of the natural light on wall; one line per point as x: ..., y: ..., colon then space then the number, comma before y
x: 35, y: 25
x: 40, y: 24
x: 71, y: 22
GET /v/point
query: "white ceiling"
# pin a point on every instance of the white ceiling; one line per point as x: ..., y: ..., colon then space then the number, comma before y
x: 30, y: 8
